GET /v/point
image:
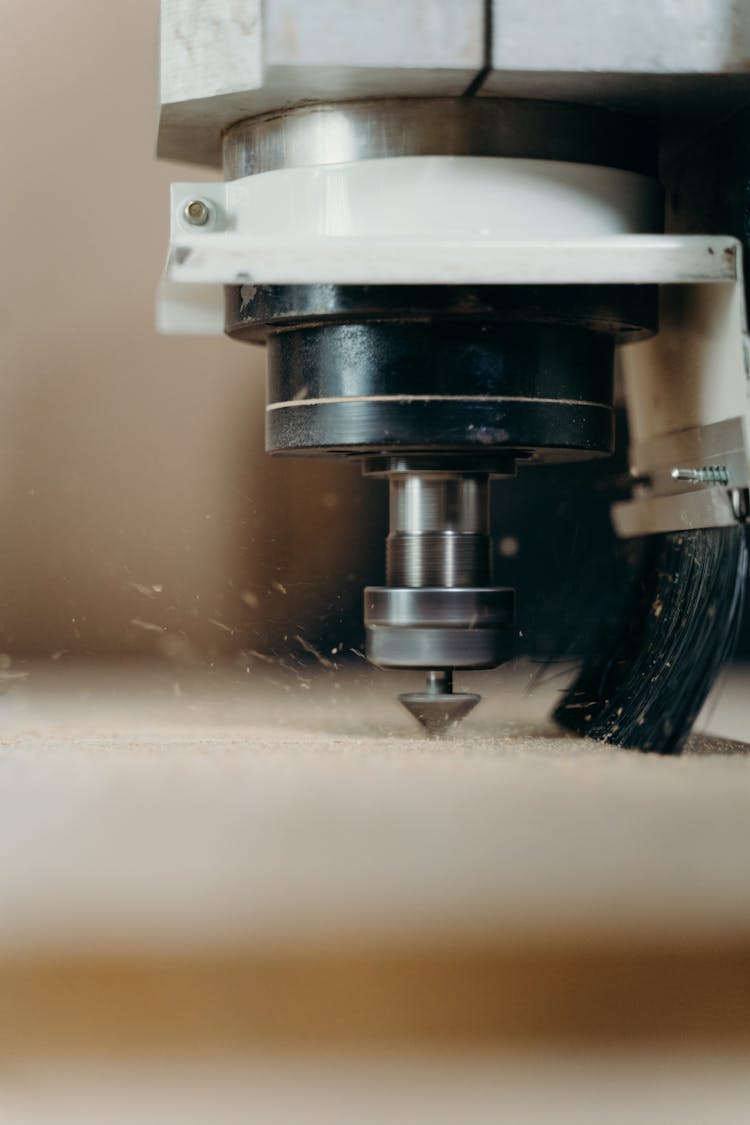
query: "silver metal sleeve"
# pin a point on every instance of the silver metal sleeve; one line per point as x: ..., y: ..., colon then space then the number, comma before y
x: 439, y: 534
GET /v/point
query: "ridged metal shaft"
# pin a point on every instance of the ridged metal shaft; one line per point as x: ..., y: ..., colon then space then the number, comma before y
x: 439, y: 533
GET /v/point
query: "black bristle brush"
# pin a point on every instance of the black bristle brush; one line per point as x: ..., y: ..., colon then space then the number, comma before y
x: 648, y: 676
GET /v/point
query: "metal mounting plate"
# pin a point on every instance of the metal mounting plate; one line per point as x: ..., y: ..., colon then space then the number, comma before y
x: 226, y: 259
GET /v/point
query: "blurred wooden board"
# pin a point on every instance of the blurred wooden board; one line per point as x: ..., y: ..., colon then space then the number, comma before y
x: 153, y: 809
x: 281, y: 855
x: 421, y: 1087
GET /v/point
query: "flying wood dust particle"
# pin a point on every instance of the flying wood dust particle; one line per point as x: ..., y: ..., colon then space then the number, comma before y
x: 314, y: 652
x: 147, y: 591
x: 149, y: 626
x: 279, y: 586
x: 221, y: 625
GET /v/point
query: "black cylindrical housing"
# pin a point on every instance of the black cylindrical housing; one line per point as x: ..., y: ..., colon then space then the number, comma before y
x: 537, y: 390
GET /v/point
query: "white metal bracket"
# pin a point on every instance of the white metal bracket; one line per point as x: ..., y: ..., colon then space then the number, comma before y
x: 686, y: 390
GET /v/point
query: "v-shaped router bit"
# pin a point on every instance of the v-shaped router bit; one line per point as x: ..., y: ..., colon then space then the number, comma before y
x: 438, y: 611
x: 439, y: 708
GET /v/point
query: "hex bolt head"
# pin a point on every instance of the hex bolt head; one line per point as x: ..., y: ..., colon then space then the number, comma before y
x: 197, y: 212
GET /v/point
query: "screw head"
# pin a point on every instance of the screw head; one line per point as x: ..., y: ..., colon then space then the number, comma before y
x: 197, y: 212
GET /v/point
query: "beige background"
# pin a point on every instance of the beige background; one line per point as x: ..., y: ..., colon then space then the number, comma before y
x: 127, y: 460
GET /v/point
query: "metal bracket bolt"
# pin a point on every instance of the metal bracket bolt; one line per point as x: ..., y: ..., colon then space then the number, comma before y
x: 197, y: 212
x: 710, y: 474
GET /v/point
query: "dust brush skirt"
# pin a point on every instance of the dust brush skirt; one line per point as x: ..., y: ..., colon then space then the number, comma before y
x: 651, y: 671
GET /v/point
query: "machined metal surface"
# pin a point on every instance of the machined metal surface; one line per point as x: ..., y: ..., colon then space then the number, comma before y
x: 438, y: 708
x: 709, y: 506
x: 369, y: 388
x: 686, y: 396
x: 438, y: 610
x: 631, y: 259
x: 612, y: 41
x: 367, y: 130
x: 226, y: 60
x: 439, y: 534
x: 526, y: 370
x: 481, y: 607
x: 626, y: 312
x: 687, y: 479
x: 444, y: 648
x: 700, y: 448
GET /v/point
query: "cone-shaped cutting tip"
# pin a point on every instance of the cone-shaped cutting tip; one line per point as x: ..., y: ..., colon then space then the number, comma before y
x: 437, y: 708
x: 438, y: 713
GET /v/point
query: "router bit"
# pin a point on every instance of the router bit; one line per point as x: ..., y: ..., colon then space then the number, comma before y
x: 439, y: 708
x: 438, y: 611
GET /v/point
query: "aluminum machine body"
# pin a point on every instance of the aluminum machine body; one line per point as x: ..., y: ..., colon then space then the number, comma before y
x: 443, y: 220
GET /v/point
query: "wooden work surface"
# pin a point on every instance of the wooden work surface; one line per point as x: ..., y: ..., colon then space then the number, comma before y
x: 279, y: 855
